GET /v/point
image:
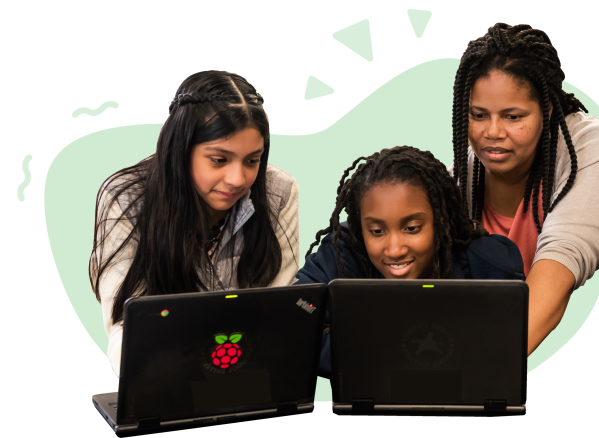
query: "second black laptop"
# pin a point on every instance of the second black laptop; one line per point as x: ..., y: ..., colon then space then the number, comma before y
x: 429, y: 347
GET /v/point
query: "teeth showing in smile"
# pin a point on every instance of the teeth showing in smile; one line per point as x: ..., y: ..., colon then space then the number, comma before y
x: 400, y: 266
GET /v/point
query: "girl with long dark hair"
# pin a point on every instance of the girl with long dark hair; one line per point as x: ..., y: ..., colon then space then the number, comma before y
x: 205, y: 212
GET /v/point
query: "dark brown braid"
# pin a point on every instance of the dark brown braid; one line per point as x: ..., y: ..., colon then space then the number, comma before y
x: 526, y: 55
x: 401, y: 165
x: 198, y: 98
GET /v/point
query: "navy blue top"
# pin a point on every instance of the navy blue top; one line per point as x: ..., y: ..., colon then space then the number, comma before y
x: 491, y: 257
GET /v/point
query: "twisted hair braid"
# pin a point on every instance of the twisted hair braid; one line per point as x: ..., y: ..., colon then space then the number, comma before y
x: 400, y: 165
x: 525, y: 54
x: 201, y: 98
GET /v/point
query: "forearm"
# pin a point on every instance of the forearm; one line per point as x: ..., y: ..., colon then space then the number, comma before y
x: 550, y: 284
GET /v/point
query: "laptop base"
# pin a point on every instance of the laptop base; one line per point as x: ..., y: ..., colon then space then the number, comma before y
x: 105, y: 411
x: 367, y: 405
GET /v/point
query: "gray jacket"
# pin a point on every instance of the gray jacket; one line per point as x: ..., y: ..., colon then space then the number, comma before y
x: 283, y: 195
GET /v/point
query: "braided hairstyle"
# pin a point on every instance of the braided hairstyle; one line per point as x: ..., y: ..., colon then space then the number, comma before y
x: 527, y: 56
x: 401, y: 165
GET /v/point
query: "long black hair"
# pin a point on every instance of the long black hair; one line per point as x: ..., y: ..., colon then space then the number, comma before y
x: 526, y: 55
x: 170, y: 219
x: 401, y: 165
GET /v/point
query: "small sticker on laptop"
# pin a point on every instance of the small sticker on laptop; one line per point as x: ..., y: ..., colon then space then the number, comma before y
x: 306, y: 306
x: 230, y: 353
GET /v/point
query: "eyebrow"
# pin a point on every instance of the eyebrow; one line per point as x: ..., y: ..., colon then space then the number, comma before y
x: 403, y: 219
x: 230, y: 153
x: 514, y: 108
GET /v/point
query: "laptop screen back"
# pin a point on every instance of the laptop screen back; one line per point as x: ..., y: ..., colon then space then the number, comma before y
x: 429, y: 342
x: 204, y: 353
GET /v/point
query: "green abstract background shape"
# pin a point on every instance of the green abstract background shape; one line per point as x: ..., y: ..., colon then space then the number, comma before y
x: 422, y: 28
x: 333, y: 96
x: 357, y: 38
x: 25, y: 188
x: 85, y: 120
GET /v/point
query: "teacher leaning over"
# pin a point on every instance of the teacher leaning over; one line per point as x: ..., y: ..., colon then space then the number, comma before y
x: 525, y: 157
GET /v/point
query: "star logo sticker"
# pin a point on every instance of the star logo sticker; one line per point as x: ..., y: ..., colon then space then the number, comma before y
x: 428, y: 344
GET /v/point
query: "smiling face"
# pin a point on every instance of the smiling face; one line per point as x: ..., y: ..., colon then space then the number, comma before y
x: 505, y: 124
x: 397, y: 225
x: 224, y: 170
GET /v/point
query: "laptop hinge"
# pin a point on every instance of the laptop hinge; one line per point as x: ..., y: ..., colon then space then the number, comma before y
x: 362, y: 404
x: 148, y: 423
x: 495, y: 405
x: 287, y: 407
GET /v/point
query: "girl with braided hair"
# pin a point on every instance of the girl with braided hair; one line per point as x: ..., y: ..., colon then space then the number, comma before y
x: 205, y: 212
x: 525, y: 157
x: 404, y: 221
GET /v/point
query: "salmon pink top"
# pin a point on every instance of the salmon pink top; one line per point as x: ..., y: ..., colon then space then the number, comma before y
x: 520, y: 229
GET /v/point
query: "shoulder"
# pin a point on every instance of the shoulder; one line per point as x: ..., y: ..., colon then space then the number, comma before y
x: 124, y: 188
x: 280, y: 186
x: 584, y: 131
x: 328, y: 239
x: 581, y: 126
x: 278, y: 181
x: 494, y: 257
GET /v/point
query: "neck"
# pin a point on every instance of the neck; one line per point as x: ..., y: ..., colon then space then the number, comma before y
x: 216, y: 215
x: 504, y: 193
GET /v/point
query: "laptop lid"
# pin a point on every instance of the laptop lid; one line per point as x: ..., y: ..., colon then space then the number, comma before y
x: 428, y: 342
x: 198, y: 354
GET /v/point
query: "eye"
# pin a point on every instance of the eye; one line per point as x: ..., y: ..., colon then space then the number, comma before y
x: 253, y: 161
x: 376, y: 232
x: 513, y: 117
x: 477, y: 116
x: 509, y: 115
x: 218, y: 160
x: 413, y: 229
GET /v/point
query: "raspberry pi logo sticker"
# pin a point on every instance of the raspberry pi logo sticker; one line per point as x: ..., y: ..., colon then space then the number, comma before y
x: 227, y: 353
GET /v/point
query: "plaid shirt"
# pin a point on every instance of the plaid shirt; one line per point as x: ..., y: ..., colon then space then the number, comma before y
x: 214, y: 236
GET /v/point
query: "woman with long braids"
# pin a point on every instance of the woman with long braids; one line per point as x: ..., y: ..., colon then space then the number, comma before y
x: 404, y: 221
x: 525, y: 156
x: 205, y: 212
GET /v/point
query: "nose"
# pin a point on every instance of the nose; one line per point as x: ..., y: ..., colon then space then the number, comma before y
x: 495, y: 128
x: 396, y: 246
x: 235, y: 175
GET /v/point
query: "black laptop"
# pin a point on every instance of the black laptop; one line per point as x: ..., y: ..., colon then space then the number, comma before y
x: 200, y: 359
x: 428, y: 347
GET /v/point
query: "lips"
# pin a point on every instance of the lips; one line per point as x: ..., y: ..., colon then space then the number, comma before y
x: 399, y: 263
x: 397, y: 273
x: 495, y: 150
x: 226, y: 194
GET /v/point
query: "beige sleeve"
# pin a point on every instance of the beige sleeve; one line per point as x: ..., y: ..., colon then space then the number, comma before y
x: 288, y: 236
x: 570, y: 233
x: 115, y: 233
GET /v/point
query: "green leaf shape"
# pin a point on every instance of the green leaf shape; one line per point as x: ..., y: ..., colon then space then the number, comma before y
x: 235, y: 338
x: 220, y: 339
